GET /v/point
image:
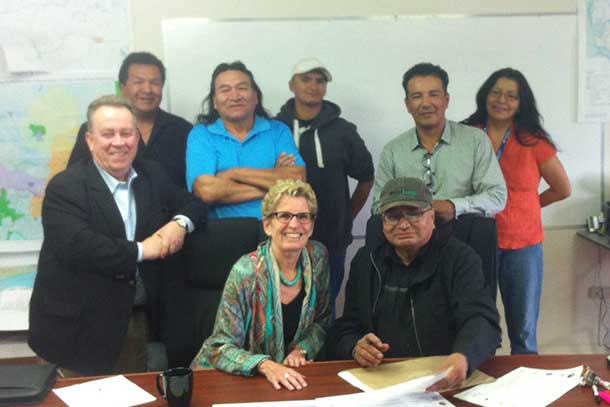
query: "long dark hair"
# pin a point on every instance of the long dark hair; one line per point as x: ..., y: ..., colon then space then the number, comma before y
x: 209, y: 113
x: 527, y: 119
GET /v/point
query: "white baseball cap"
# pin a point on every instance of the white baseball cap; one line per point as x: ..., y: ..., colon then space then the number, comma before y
x: 311, y: 64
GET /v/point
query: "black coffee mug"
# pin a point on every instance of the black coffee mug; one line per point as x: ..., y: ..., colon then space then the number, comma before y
x: 176, y: 386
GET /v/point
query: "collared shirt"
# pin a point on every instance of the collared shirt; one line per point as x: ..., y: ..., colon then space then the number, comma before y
x: 211, y: 149
x: 124, y: 198
x: 122, y: 192
x: 465, y: 169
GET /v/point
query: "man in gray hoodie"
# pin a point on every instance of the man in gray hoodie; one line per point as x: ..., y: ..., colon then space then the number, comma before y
x: 332, y: 151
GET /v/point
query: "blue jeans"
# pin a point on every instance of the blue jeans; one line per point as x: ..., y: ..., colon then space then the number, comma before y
x: 520, y: 280
x: 337, y: 270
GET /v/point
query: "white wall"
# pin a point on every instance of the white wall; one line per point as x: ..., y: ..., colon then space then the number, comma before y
x: 147, y: 14
x: 569, y: 319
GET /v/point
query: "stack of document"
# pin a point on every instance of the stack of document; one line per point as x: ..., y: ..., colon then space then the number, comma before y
x: 524, y: 386
x: 411, y: 393
x: 388, y: 374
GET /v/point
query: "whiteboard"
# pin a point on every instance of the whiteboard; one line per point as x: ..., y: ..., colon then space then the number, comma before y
x: 367, y: 58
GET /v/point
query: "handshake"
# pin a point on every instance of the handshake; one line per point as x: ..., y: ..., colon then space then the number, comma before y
x: 164, y: 242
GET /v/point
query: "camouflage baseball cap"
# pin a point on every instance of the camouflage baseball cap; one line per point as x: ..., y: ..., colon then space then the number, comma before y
x: 404, y: 192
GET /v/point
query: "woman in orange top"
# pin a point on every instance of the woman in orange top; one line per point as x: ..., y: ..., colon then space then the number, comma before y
x: 506, y: 110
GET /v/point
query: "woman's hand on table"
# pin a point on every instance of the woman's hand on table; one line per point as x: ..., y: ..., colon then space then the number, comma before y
x: 282, y: 376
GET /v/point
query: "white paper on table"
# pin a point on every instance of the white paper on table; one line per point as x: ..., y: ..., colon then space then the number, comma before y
x: 420, y: 399
x: 354, y: 381
x: 419, y: 384
x: 524, y: 386
x: 114, y: 391
x: 409, y: 393
x: 292, y: 403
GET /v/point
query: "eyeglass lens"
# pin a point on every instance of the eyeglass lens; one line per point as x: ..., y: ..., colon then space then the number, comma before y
x: 286, y: 217
x: 393, y: 217
x: 509, y: 96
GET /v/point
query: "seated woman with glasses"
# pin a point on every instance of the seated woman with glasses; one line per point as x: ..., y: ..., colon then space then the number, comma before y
x: 275, y: 313
x: 507, y: 112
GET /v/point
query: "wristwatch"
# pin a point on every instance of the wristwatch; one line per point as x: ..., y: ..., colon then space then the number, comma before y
x: 182, y: 223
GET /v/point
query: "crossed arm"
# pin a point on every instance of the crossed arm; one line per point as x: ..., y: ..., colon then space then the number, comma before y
x: 245, y: 184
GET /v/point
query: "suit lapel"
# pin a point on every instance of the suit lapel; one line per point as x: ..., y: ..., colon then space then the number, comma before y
x: 102, y: 197
x: 143, y: 196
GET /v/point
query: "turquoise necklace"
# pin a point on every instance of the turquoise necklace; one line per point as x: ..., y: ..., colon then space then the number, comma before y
x: 291, y: 283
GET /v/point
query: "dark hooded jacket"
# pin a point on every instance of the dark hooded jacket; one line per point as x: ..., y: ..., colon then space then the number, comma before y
x: 451, y: 309
x: 332, y: 151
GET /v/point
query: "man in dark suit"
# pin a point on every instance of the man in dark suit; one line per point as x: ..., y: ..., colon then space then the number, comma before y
x: 162, y: 134
x: 108, y: 221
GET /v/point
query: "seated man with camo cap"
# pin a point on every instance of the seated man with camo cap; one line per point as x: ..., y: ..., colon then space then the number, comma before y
x: 415, y: 291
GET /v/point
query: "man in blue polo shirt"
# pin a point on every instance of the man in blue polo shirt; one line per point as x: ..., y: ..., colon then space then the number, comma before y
x: 236, y: 152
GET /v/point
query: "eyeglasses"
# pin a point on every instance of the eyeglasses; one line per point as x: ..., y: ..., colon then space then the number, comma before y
x: 285, y: 217
x: 428, y: 173
x: 392, y: 217
x: 508, y: 96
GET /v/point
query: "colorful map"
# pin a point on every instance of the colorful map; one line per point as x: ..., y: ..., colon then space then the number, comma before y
x: 56, y: 56
x: 16, y: 285
x: 38, y: 126
x: 17, y: 277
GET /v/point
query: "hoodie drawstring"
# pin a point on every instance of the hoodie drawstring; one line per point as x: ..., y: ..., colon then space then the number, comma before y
x: 316, y: 140
x: 297, y: 131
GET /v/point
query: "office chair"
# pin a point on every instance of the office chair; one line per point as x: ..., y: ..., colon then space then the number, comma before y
x: 192, y: 301
x: 481, y: 234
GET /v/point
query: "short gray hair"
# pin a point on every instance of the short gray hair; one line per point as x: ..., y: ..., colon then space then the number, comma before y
x: 289, y: 187
x: 108, y: 100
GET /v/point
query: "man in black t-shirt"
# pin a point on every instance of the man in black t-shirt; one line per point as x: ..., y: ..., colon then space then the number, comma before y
x: 162, y: 135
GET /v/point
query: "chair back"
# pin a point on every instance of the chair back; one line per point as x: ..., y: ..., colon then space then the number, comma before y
x: 208, y: 255
x: 481, y: 234
x: 212, y: 251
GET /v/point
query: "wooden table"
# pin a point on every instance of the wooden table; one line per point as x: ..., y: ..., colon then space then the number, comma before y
x: 212, y: 386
